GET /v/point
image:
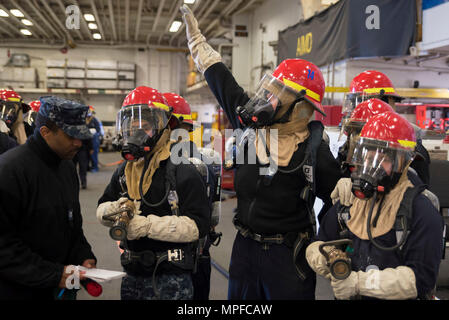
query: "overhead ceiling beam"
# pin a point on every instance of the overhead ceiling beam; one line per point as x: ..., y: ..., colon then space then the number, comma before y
x: 127, y: 20
x: 173, y: 16
x: 246, y: 6
x: 44, y: 20
x: 63, y: 8
x: 156, y: 20
x: 8, y: 28
x: 56, y: 20
x: 97, y: 18
x: 18, y: 22
x: 224, y: 13
x: 119, y: 5
x: 249, y: 4
x: 158, y: 15
x: 139, y: 16
x: 208, y: 11
x: 111, y: 17
x: 4, y: 31
x: 27, y: 16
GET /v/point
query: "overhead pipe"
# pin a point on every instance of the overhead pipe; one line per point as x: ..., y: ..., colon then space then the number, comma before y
x: 127, y: 20
x: 45, y: 20
x: 111, y: 17
x: 156, y: 21
x: 139, y: 16
x: 56, y: 20
x: 97, y: 18
x: 224, y: 13
x: 173, y: 16
x: 246, y: 7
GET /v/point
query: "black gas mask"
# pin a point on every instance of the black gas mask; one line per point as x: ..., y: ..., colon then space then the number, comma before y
x: 9, y: 112
x: 377, y: 167
x: 268, y: 105
x: 138, y: 128
x: 138, y: 145
x: 364, y: 186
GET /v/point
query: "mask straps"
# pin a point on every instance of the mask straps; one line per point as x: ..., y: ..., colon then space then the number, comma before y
x: 285, y: 117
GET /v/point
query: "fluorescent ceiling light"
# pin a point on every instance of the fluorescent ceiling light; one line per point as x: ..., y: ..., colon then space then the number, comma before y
x: 26, y: 32
x: 96, y: 36
x: 89, y: 17
x: 17, y: 13
x: 175, y: 26
x: 189, y: 1
x: 27, y: 22
x: 3, y: 13
x: 92, y: 26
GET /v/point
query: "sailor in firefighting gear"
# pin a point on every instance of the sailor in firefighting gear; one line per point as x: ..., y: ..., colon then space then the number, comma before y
x: 208, y: 162
x: 182, y: 119
x: 274, y: 218
x: 29, y: 118
x: 375, y: 84
x: 6, y: 142
x: 12, y: 109
x: 159, y: 252
x: 396, y: 232
x: 352, y: 127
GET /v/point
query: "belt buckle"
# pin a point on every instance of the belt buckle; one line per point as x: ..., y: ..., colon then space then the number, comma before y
x: 279, y: 239
x: 258, y: 237
x: 175, y: 255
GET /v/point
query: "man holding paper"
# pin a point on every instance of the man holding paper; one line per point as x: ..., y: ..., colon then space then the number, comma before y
x: 41, y: 235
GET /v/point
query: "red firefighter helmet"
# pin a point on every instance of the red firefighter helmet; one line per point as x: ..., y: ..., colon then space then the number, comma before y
x: 145, y: 95
x: 384, y: 149
x: 181, y: 109
x: 299, y: 75
x: 141, y: 120
x: 35, y: 105
x: 10, y: 95
x: 10, y: 105
x: 363, y: 112
x: 367, y: 85
x: 391, y: 128
x: 373, y: 83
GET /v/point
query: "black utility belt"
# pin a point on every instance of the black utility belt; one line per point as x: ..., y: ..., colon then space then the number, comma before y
x: 149, y: 260
x: 288, y: 238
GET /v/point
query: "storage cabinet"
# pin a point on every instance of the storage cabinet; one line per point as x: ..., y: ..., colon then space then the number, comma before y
x: 90, y: 74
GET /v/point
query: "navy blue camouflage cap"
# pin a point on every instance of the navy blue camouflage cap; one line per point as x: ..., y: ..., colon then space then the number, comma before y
x: 68, y: 115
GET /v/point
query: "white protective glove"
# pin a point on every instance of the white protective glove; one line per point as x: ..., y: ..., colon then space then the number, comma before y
x: 202, y: 53
x: 343, y: 192
x: 389, y: 284
x: 316, y: 260
x: 3, y: 127
x: 347, y: 288
x: 107, y: 208
x: 167, y: 228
